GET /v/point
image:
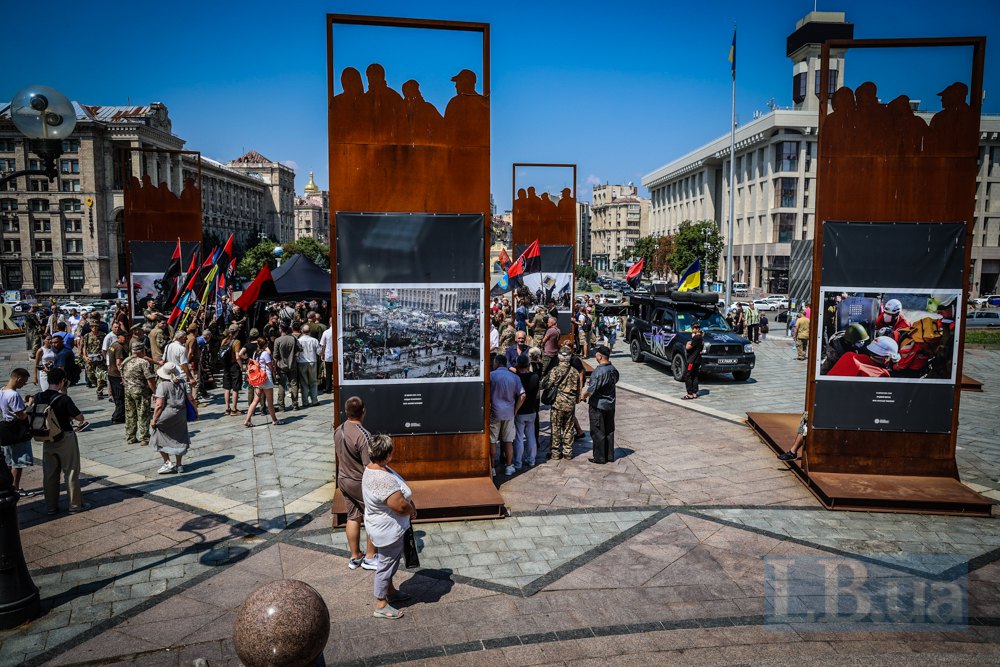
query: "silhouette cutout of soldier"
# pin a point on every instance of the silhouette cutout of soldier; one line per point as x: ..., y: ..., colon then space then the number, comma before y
x: 873, y: 116
x: 838, y: 128
x: 955, y: 127
x: 533, y: 209
x: 567, y: 205
x: 910, y: 129
x: 548, y: 207
x: 423, y: 122
x: 468, y: 113
x: 350, y: 124
x: 384, y: 105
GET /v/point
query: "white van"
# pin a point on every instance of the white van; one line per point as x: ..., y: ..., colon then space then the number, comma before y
x: 741, y: 289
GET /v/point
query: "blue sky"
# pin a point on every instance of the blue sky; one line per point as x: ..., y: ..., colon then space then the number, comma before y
x: 618, y: 89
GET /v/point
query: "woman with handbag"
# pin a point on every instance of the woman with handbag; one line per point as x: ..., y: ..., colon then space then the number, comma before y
x: 388, y: 510
x: 173, y: 405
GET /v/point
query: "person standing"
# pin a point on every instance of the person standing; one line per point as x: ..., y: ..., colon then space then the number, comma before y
x: 32, y: 330
x: 116, y: 357
x: 389, y: 509
x: 286, y: 349
x: 326, y: 351
x: 62, y: 454
x: 600, y: 396
x: 64, y: 359
x: 566, y: 380
x: 158, y: 340
x: 176, y: 354
x: 550, y: 345
x: 170, y: 418
x: 263, y: 393
x: 97, y: 371
x: 518, y: 349
x: 351, y: 441
x: 230, y: 353
x: 693, y: 348
x: 139, y: 380
x: 15, y: 435
x: 753, y: 323
x: 43, y: 362
x: 525, y: 442
x: 801, y: 335
x: 506, y: 396
x: 306, y: 361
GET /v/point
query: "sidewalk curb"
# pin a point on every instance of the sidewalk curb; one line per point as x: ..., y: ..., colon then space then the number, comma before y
x: 687, y: 405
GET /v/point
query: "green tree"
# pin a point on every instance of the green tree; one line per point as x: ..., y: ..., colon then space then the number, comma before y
x: 643, y: 248
x: 253, y: 259
x: 697, y: 240
x: 315, y: 251
x: 584, y: 272
x: 656, y: 251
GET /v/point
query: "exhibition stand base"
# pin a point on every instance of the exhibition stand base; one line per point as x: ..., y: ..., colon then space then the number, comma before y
x: 865, y: 492
x: 971, y: 384
x: 443, y: 500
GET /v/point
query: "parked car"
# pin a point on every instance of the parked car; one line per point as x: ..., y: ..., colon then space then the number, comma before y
x: 764, y: 304
x: 100, y: 304
x: 658, y: 327
x: 74, y: 305
x: 984, y: 301
x: 979, y: 319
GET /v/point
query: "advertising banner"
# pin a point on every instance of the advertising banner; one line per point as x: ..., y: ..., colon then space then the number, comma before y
x: 554, y: 281
x: 891, y: 299
x: 410, y: 296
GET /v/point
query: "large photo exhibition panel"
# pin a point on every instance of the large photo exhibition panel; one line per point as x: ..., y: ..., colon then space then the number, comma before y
x: 149, y: 259
x: 395, y: 249
x: 554, y: 281
x: 422, y: 408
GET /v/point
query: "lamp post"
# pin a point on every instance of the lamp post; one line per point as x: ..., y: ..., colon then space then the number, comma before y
x: 45, y: 117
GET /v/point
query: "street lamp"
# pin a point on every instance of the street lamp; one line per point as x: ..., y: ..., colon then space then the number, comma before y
x: 46, y: 117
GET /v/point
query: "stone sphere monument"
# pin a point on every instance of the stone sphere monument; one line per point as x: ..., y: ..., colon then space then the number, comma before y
x: 281, y: 623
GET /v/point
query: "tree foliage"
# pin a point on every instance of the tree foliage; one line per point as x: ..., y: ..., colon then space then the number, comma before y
x: 656, y: 251
x: 697, y: 240
x: 254, y: 258
x: 584, y: 272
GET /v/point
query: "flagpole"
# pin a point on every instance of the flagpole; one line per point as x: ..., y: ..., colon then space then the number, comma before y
x: 732, y: 186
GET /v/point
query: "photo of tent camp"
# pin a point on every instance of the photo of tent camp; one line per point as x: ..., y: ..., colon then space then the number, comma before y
x: 398, y: 334
x: 897, y: 334
x: 546, y: 285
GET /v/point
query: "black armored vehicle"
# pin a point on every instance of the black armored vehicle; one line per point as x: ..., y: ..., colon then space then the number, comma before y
x: 659, y: 325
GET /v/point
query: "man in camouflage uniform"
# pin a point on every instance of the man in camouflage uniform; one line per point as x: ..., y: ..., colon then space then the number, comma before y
x: 97, y: 369
x: 567, y: 380
x: 159, y: 338
x: 507, y: 334
x: 32, y: 330
x: 538, y: 326
x: 139, y: 378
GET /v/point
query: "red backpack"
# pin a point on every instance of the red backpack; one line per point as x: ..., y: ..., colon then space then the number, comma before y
x: 256, y: 375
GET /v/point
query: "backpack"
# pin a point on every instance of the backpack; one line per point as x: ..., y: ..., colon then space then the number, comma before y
x: 225, y: 351
x: 42, y: 420
x: 256, y: 375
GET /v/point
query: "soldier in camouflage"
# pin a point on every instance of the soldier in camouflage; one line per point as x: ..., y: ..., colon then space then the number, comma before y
x: 507, y: 334
x: 538, y: 326
x: 567, y: 380
x: 139, y: 378
x: 96, y: 365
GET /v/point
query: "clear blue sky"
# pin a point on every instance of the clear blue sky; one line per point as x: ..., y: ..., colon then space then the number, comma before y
x: 620, y: 89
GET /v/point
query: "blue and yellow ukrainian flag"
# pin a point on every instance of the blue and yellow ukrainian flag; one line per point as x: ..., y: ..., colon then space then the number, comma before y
x: 691, y: 278
x: 732, y: 53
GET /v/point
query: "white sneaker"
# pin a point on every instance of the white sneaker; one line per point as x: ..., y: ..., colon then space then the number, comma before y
x: 509, y: 470
x: 369, y: 563
x: 166, y: 469
x: 179, y: 468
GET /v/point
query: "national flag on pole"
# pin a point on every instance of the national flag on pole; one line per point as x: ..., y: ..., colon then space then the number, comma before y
x: 634, y: 274
x: 179, y: 309
x: 732, y: 54
x: 504, y: 259
x: 227, y: 254
x: 502, y: 286
x: 168, y: 283
x: 262, y: 287
x: 691, y: 278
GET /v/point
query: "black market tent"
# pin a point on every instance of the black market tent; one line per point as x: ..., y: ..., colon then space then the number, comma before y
x: 299, y: 278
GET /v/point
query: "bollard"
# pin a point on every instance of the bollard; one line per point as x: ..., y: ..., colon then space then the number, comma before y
x: 283, y: 623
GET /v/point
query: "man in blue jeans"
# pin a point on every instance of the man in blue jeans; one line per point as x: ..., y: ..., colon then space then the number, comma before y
x: 506, y: 396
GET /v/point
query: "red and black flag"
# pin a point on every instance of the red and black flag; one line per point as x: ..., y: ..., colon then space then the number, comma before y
x: 168, y: 283
x: 225, y: 255
x: 634, y: 275
x: 262, y: 287
x: 530, y: 261
x: 504, y: 259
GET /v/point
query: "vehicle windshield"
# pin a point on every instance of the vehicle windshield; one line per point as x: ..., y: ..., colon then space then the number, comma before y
x: 709, y: 321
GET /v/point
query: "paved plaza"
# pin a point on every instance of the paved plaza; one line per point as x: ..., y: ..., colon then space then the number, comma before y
x: 665, y: 557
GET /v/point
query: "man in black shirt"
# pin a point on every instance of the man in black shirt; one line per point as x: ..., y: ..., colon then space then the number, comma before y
x: 600, y: 395
x: 62, y: 455
x: 693, y: 348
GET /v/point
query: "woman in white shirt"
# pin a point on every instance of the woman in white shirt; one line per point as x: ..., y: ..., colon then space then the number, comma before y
x: 388, y: 510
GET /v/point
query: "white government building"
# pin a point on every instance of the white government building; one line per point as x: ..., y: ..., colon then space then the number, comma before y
x: 776, y: 176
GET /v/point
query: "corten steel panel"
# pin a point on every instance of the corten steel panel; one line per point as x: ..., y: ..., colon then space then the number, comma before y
x: 879, y: 162
x: 393, y: 152
x: 152, y: 211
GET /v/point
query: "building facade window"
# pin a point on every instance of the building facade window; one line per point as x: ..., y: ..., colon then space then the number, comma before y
x: 70, y: 184
x: 11, y: 225
x: 7, y: 145
x: 8, y: 164
x: 44, y: 278
x: 8, y: 204
x: 67, y: 205
x: 11, y: 245
x: 38, y: 185
x: 42, y: 226
x: 784, y: 227
x: 12, y: 276
x: 799, y: 87
x: 37, y: 205
x: 43, y: 246
x: 784, y: 192
x: 74, y: 276
x: 71, y: 146
x: 74, y: 226
x: 74, y: 246
x: 786, y: 157
x: 831, y: 88
x: 69, y: 166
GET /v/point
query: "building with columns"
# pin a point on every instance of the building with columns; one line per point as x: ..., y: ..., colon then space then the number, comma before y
x: 618, y: 218
x: 66, y: 238
x: 312, y: 213
x: 775, y: 175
